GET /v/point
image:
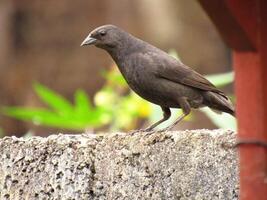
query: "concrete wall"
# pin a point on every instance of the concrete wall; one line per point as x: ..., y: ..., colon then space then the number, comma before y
x: 174, y: 165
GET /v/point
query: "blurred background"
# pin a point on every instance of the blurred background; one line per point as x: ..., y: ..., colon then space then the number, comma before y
x: 49, y: 84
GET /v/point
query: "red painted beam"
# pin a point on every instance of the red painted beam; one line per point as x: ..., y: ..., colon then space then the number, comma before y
x: 246, y: 13
x: 228, y: 26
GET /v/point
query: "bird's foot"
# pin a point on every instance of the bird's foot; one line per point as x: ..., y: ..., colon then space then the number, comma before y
x: 163, y: 130
x: 147, y: 131
x: 169, y: 128
x: 132, y: 132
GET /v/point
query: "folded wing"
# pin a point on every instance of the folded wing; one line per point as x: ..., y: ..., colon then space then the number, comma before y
x: 173, y: 70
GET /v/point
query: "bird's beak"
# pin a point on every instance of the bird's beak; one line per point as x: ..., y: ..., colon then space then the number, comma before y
x: 89, y: 41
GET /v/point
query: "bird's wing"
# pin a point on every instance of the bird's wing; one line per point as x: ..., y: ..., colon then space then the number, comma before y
x: 173, y: 70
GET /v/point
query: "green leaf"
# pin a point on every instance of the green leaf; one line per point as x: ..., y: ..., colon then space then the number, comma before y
x: 220, y: 80
x: 82, y: 103
x: 62, y: 114
x: 36, y: 115
x: 49, y: 118
x: 54, y: 100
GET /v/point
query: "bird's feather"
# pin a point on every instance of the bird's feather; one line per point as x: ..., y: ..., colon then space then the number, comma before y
x: 171, y: 69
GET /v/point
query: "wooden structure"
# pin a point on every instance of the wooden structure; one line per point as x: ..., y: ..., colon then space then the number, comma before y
x: 243, y: 26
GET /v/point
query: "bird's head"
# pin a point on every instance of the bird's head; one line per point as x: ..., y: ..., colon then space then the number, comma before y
x: 105, y: 37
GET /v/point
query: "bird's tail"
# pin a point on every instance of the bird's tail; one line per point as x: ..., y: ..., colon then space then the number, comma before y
x: 219, y: 102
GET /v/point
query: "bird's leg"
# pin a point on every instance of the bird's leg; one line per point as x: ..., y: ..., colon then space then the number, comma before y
x: 166, y: 116
x: 186, y: 110
x: 174, y: 124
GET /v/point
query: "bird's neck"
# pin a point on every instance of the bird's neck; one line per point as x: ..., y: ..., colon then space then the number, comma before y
x: 123, y: 52
x: 117, y: 55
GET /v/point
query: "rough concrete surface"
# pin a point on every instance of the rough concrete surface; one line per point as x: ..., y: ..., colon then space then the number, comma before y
x: 175, y: 165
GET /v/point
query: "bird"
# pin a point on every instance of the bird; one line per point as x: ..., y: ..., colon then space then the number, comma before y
x: 158, y: 77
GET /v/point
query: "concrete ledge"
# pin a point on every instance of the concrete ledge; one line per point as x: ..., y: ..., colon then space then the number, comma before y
x: 174, y: 165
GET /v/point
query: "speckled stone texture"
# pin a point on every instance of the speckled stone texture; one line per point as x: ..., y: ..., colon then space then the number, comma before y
x: 185, y: 165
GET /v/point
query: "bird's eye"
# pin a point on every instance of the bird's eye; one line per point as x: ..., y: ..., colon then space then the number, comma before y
x: 102, y: 33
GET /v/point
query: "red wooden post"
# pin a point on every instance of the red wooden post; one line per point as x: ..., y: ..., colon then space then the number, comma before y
x: 252, y: 124
x: 243, y: 25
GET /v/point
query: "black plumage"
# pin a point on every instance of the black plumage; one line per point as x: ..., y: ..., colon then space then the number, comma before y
x: 156, y: 76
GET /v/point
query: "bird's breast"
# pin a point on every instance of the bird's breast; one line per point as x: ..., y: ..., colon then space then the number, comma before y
x: 146, y: 85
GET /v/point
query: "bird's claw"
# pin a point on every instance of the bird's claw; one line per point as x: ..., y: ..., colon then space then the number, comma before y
x: 147, y: 131
x: 163, y: 130
x: 133, y: 132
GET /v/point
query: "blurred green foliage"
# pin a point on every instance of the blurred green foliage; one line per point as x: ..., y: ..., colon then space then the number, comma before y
x: 221, y: 80
x: 115, y: 107
x: 119, y: 112
x: 60, y: 113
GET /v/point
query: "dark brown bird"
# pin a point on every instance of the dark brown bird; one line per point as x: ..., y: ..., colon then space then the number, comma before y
x: 156, y: 76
